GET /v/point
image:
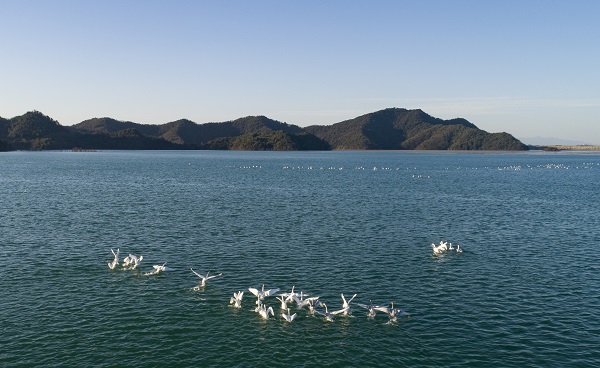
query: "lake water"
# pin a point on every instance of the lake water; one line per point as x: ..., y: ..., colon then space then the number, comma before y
x: 524, y: 293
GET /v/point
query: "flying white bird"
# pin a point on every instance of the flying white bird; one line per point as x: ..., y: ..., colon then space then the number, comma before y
x: 115, y: 261
x: 345, y: 306
x: 301, y: 302
x: 312, y: 302
x: 287, y: 316
x: 261, y: 294
x: 437, y: 250
x: 392, y: 312
x: 158, y: 269
x: 372, y: 309
x: 136, y: 261
x: 327, y: 315
x: 283, y: 301
x: 289, y: 296
x: 263, y: 311
x: 443, y: 245
x: 236, y: 300
x: 205, y: 278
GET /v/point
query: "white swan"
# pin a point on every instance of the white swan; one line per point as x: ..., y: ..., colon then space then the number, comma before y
x: 126, y: 261
x: 372, y: 309
x: 443, y: 245
x: 392, y: 312
x: 205, y: 278
x: 283, y: 301
x: 287, y: 316
x: 458, y: 250
x: 115, y: 261
x: 264, y: 311
x: 261, y: 294
x: 289, y: 296
x: 158, y: 269
x: 312, y: 302
x: 436, y: 250
x: 236, y: 300
x: 136, y: 261
x: 451, y: 247
x: 327, y: 316
x: 345, y: 306
x: 301, y: 302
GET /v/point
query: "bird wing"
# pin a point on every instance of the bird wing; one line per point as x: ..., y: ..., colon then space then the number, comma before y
x: 213, y: 276
x: 351, y: 299
x: 339, y: 311
x: 382, y: 309
x: 270, y: 292
x: 197, y: 274
x: 253, y: 291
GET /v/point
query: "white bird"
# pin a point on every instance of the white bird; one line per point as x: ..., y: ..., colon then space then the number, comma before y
x: 458, y: 250
x: 370, y: 307
x: 126, y: 261
x: 115, y: 261
x: 131, y: 262
x: 283, y: 301
x: 158, y: 269
x: 136, y: 261
x: 311, y: 304
x: 287, y: 316
x: 289, y: 296
x: 327, y: 315
x: 346, y: 304
x: 205, y: 278
x: 451, y: 247
x: 264, y: 311
x: 236, y: 300
x: 392, y: 312
x: 443, y: 245
x: 300, y: 301
x: 261, y: 294
x: 436, y: 250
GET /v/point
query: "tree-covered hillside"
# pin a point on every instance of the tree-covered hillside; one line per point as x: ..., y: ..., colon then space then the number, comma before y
x: 389, y: 129
x: 400, y: 129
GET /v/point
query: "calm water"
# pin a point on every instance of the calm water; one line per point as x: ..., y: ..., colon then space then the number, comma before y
x: 525, y: 292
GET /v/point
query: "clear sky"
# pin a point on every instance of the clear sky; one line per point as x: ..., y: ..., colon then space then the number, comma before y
x: 530, y: 68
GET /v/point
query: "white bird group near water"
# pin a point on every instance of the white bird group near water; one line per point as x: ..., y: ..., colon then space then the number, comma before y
x: 311, y: 303
x: 131, y: 262
x: 302, y: 300
x: 443, y: 247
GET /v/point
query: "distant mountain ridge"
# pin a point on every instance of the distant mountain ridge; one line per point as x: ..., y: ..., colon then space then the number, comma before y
x: 389, y: 129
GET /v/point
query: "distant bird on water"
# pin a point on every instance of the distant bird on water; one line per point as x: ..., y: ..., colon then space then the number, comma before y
x: 236, y: 300
x: 158, y: 269
x: 205, y: 278
x: 115, y: 261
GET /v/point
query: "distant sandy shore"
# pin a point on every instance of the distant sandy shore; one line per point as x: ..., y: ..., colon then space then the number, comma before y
x: 584, y: 147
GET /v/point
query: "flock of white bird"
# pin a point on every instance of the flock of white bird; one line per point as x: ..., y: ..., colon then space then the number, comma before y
x: 444, y: 247
x: 312, y: 304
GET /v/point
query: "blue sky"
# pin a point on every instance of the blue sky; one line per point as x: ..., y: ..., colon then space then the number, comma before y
x: 530, y: 68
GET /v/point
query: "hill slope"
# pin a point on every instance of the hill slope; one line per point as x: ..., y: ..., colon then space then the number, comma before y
x: 399, y: 129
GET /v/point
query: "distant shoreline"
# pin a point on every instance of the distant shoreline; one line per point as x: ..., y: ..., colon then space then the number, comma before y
x: 560, y: 147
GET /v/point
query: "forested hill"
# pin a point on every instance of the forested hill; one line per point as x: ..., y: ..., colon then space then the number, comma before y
x: 401, y: 129
x: 389, y: 129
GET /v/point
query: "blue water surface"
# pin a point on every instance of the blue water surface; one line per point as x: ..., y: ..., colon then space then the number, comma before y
x: 524, y: 293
